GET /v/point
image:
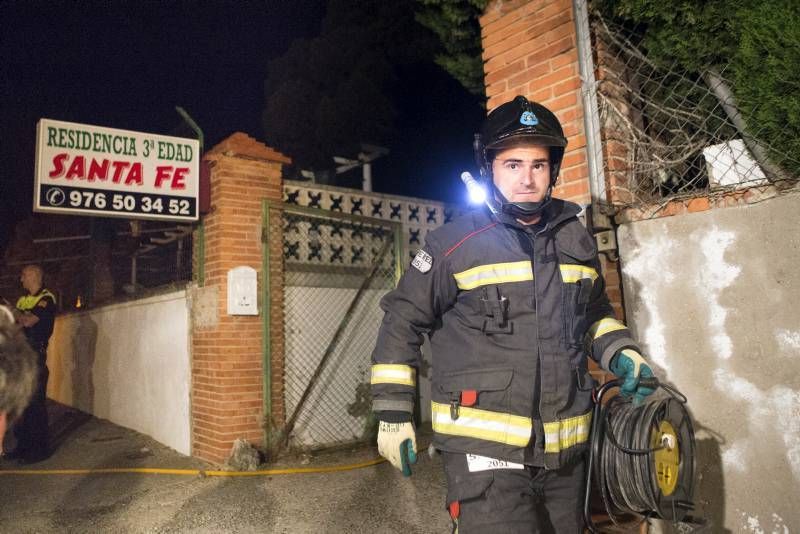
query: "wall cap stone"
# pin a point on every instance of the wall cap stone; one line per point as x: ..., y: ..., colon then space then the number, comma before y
x: 239, y: 144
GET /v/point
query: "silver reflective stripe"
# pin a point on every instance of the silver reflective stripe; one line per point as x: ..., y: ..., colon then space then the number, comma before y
x: 604, y: 326
x: 383, y: 373
x: 380, y: 405
x: 496, y: 273
x: 571, y: 273
x: 482, y: 424
x: 566, y: 433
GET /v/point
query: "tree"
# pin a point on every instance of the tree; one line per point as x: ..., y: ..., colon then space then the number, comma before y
x: 328, y: 94
x: 767, y: 78
x: 455, y: 23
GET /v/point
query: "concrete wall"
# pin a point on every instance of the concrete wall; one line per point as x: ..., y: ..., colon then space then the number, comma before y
x: 128, y: 363
x: 714, y: 298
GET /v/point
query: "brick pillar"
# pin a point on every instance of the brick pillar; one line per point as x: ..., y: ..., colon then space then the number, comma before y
x: 227, y: 371
x: 530, y: 49
x: 613, y: 79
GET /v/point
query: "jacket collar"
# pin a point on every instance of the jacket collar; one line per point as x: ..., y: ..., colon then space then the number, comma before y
x: 559, y: 211
x: 556, y: 212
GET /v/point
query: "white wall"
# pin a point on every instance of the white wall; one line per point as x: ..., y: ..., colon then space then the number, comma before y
x: 128, y: 363
x: 714, y: 298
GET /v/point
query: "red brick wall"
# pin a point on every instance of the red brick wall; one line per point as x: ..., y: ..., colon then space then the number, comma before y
x: 530, y: 49
x: 227, y: 370
x: 611, y: 75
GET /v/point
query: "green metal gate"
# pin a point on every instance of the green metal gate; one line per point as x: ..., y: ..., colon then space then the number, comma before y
x: 335, y: 269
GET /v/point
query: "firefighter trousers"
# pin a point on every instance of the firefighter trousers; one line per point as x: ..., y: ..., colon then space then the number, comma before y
x: 513, y: 500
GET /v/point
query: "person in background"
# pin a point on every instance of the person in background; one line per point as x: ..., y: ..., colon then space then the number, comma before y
x: 17, y: 370
x: 36, y: 314
x: 514, y: 303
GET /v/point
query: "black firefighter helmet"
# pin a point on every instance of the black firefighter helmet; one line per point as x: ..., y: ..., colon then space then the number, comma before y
x: 517, y: 122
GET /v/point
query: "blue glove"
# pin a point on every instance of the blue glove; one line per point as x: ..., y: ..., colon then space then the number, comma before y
x: 629, y: 366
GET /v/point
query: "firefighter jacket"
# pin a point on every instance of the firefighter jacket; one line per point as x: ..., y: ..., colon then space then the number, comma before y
x: 512, y: 312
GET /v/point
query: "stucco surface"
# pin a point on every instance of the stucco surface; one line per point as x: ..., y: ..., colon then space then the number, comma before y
x: 128, y: 363
x: 715, y: 299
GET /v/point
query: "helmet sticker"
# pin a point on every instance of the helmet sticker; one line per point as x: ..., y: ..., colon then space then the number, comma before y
x: 528, y: 119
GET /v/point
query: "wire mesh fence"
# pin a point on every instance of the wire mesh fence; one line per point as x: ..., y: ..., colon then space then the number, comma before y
x: 337, y: 268
x: 669, y: 132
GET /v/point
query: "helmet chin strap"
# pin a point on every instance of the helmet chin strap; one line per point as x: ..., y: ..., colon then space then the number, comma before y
x: 522, y: 210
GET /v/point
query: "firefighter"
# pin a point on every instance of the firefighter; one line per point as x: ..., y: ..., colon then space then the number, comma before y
x: 514, y: 303
x: 36, y: 313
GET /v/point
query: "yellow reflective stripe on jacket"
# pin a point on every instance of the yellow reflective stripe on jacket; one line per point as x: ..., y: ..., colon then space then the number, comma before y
x: 496, y: 273
x: 567, y: 433
x: 604, y: 326
x: 571, y: 273
x: 482, y: 424
x: 383, y: 373
x: 29, y: 302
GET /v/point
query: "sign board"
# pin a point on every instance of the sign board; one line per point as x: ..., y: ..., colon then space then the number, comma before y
x: 91, y: 170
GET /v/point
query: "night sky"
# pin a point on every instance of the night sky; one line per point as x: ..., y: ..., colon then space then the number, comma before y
x: 128, y: 64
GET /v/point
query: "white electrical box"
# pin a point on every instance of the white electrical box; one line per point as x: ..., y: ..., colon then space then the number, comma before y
x: 242, y: 291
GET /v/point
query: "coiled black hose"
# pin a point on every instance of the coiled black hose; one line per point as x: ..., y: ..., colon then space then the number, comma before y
x: 622, y: 462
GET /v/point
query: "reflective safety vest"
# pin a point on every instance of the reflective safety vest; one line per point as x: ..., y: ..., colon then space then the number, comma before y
x: 29, y: 302
x: 512, y: 312
x: 39, y: 334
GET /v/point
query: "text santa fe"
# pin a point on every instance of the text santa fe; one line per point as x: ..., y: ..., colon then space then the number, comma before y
x: 106, y: 158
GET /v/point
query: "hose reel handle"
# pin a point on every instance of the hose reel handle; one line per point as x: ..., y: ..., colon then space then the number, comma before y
x: 649, y: 382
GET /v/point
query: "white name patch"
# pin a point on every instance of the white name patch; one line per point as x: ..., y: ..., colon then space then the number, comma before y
x: 477, y: 463
x: 422, y: 261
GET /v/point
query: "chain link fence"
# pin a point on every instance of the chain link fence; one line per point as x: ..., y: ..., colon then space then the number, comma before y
x: 336, y: 268
x: 670, y: 133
